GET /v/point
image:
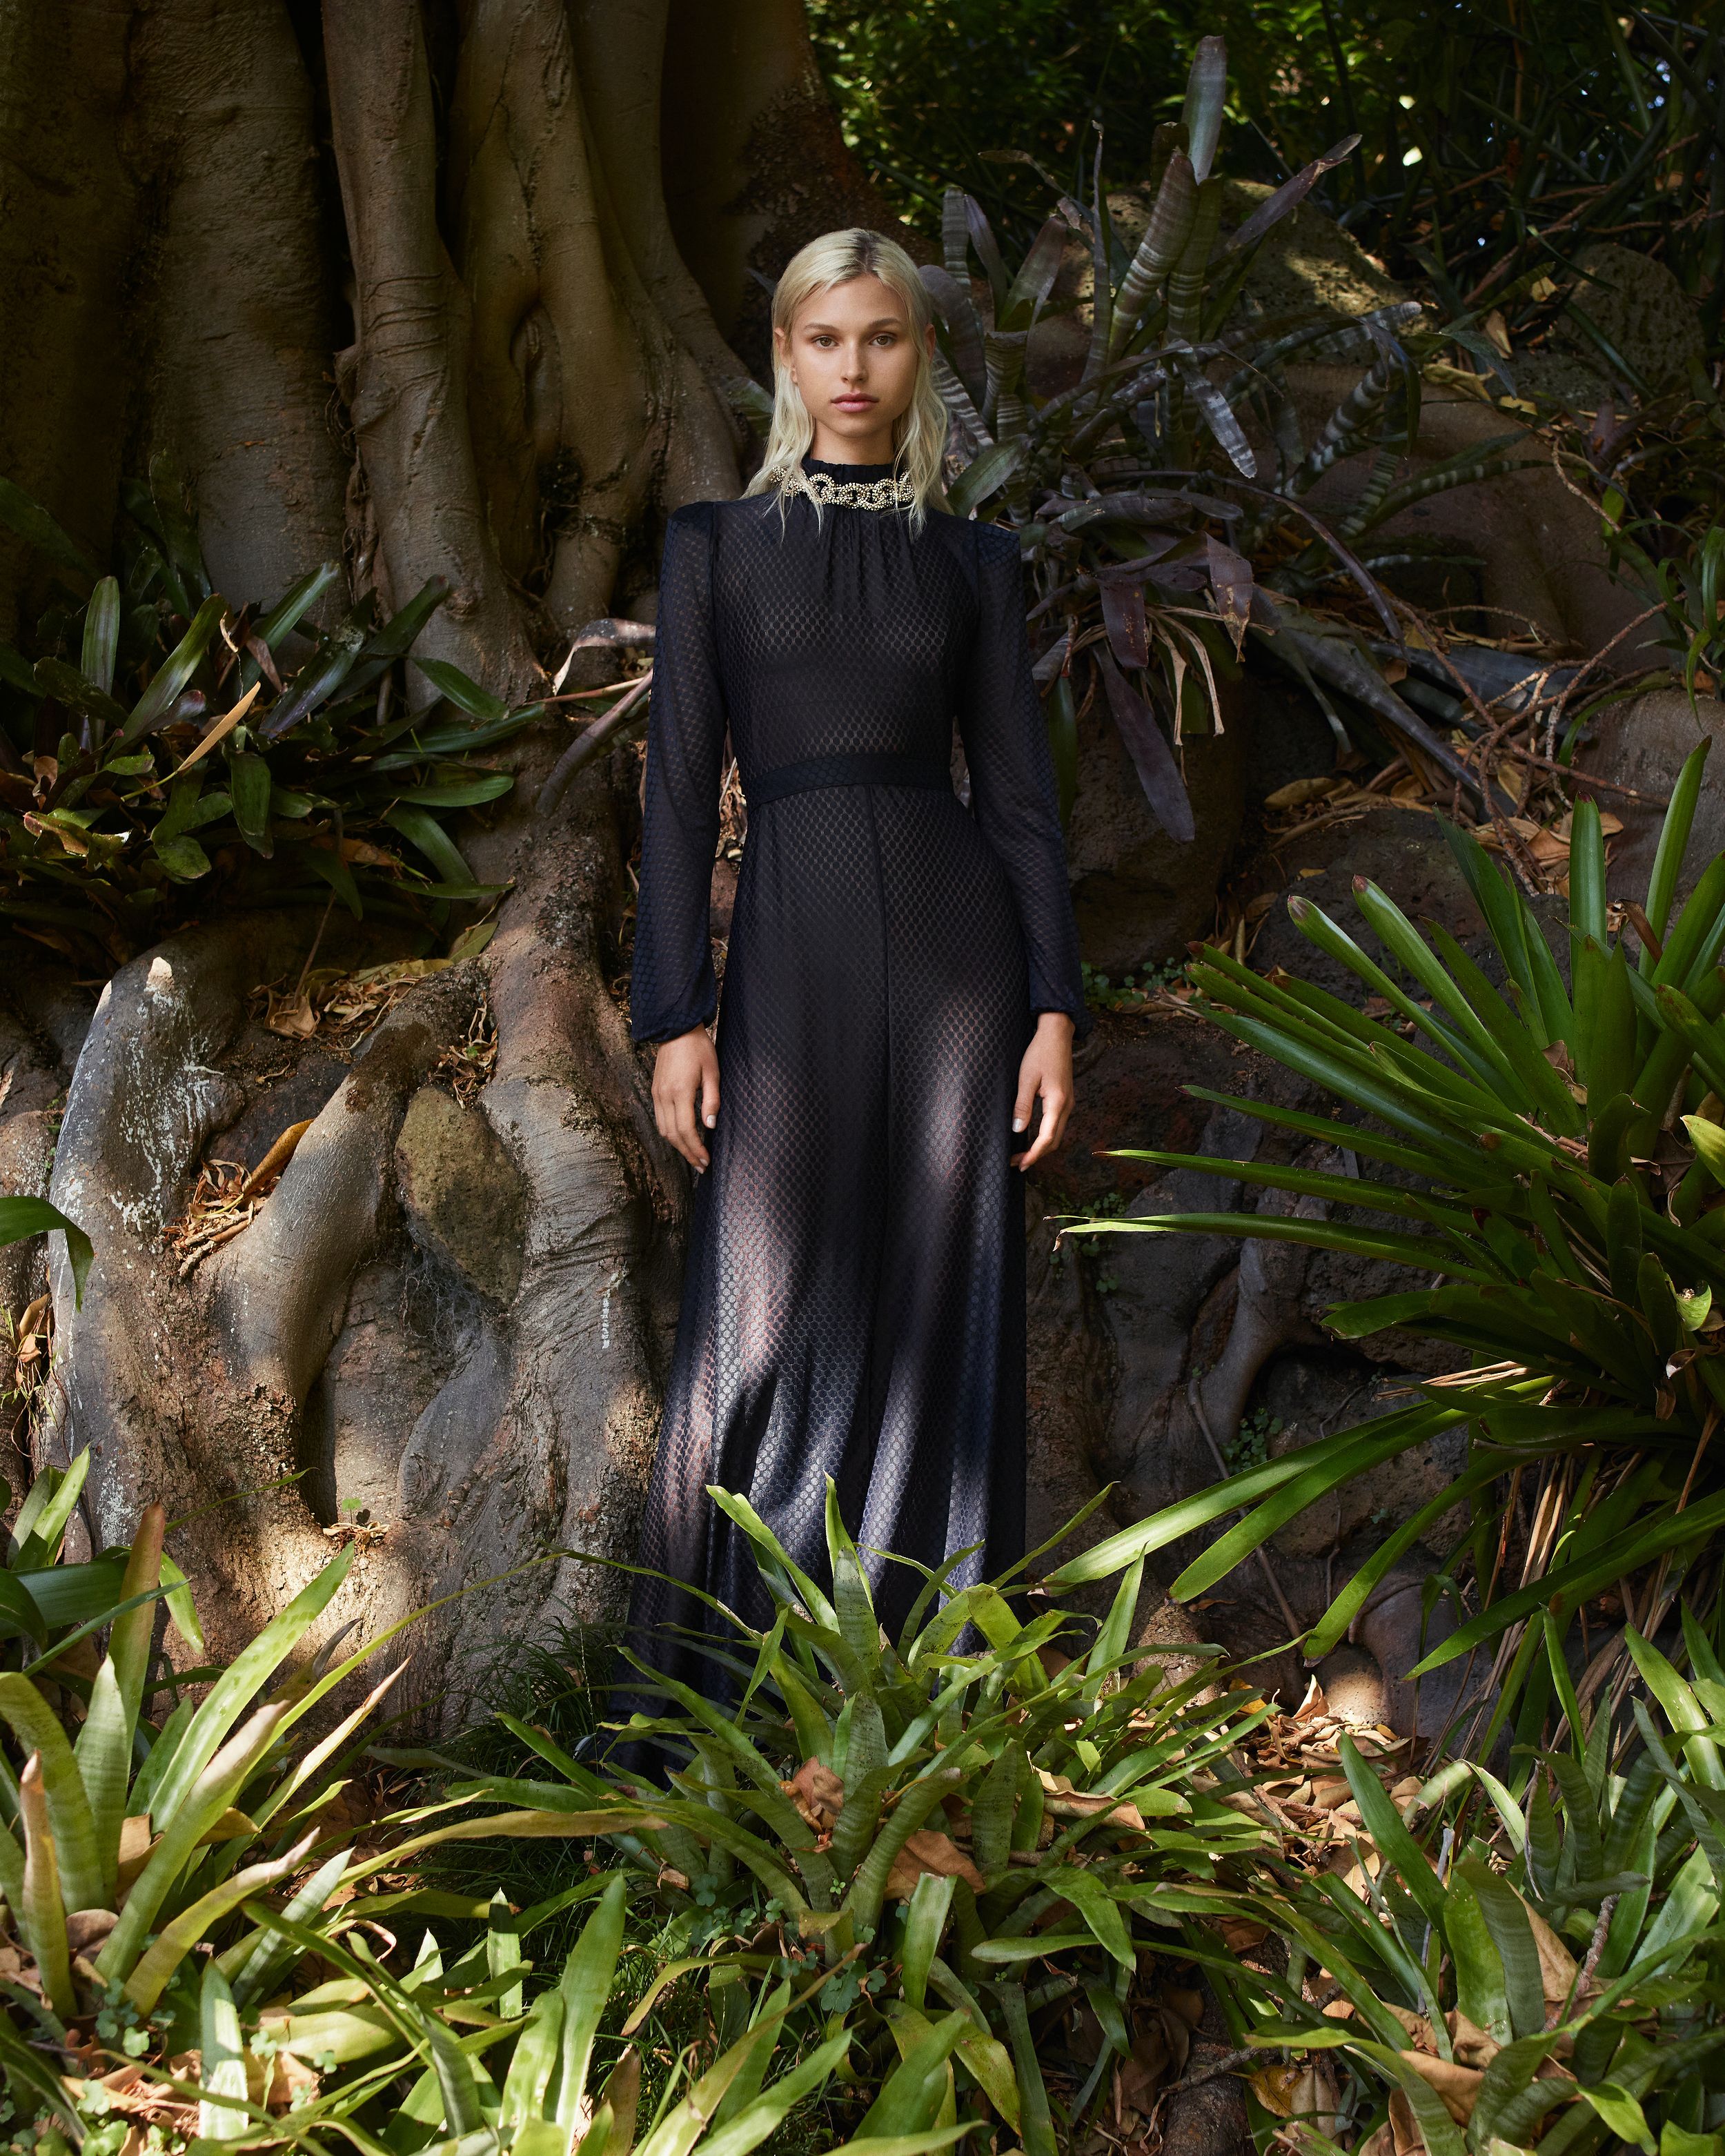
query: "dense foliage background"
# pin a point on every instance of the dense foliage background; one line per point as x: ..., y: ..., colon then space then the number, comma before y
x: 1474, y: 118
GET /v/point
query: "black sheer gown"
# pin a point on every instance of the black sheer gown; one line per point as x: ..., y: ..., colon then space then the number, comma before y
x: 853, y: 1303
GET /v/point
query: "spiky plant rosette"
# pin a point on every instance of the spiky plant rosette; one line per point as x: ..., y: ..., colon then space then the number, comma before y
x: 1556, y: 1159
x: 962, y: 1822
x: 1531, y: 1959
x: 1163, y: 497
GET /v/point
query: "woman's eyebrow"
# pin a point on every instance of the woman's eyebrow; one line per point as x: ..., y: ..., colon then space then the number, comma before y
x: 880, y: 322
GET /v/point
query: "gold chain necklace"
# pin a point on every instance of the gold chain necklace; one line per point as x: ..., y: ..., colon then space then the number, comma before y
x: 820, y: 487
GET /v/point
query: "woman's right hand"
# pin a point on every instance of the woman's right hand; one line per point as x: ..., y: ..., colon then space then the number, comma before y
x: 685, y: 1076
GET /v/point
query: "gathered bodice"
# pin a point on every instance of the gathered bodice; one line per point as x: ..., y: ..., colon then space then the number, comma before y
x: 840, y: 631
x: 838, y: 646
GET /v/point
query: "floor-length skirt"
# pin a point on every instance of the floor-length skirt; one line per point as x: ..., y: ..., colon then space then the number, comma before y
x: 854, y: 1302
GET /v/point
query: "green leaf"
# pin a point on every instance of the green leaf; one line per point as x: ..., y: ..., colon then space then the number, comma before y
x: 55, y: 678
x: 457, y: 741
x: 200, y: 1920
x: 38, y: 1730
x: 101, y: 634
x: 986, y: 474
x: 1505, y: 1916
x: 248, y: 782
x: 225, y: 1701
x: 175, y: 671
x: 1336, y: 1456
x: 1708, y: 1140
x: 222, y: 2061
x: 290, y: 610
x: 459, y: 792
x: 422, y: 830
x: 1620, y: 2113
x: 103, y: 1751
x: 1423, y: 1253
x: 326, y: 862
x: 184, y: 1826
x: 21, y: 1217
x: 1101, y: 1912
x: 1587, y: 873
x: 33, y: 525
x: 1673, y: 845
x: 925, y: 1920
x: 1036, y: 2128
x: 1384, y: 1824
x: 463, y: 692
x: 184, y: 860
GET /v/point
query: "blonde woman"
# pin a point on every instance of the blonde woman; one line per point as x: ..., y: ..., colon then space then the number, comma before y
x: 901, y: 988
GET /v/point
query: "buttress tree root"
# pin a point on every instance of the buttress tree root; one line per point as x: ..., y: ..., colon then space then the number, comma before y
x: 441, y: 1335
x: 393, y: 282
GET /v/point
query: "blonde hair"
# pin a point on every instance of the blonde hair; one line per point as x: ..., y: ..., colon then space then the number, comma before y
x: 920, y: 434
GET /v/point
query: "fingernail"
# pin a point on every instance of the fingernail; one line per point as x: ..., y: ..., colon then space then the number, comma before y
x: 711, y: 1120
x: 1018, y: 1122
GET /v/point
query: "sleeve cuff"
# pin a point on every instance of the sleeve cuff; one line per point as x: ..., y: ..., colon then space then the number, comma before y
x: 1083, y: 1017
x: 655, y: 1031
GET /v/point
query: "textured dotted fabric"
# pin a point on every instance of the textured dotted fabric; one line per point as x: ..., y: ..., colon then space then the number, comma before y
x: 854, y: 1302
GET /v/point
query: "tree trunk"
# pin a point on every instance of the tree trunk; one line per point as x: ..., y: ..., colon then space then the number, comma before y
x: 459, y: 340
x: 754, y: 163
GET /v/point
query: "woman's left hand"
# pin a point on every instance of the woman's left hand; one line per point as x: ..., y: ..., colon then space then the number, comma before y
x: 1045, y: 1073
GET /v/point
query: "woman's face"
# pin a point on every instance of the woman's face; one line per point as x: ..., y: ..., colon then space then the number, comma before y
x: 851, y: 352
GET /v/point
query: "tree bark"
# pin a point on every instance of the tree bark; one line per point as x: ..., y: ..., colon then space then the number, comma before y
x: 68, y: 220
x: 241, y: 383
x: 754, y: 161
x: 405, y: 377
x: 444, y: 1331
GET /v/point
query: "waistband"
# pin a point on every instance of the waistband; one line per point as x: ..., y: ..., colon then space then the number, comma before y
x: 872, y: 768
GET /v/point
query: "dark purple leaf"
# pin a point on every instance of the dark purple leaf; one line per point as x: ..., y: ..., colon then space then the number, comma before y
x: 1289, y: 196
x: 1137, y: 507
x: 1124, y: 617
x: 982, y: 238
x: 1052, y: 660
x: 955, y: 233
x: 1232, y: 584
x: 1165, y: 236
x: 1206, y: 93
x: 1036, y: 275
x: 964, y: 334
x: 1158, y: 774
x: 1219, y: 415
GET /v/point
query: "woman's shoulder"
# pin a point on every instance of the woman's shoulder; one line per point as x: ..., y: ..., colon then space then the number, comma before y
x: 691, y: 517
x: 987, y: 544
x: 702, y: 519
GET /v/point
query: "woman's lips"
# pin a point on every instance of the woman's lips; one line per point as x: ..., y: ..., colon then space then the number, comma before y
x: 853, y: 403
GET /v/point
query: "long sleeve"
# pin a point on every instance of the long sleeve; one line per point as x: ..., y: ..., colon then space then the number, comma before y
x: 1012, y: 779
x: 673, y: 986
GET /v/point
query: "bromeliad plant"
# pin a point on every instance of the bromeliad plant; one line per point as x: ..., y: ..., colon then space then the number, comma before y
x: 130, y: 1851
x: 1555, y: 1158
x: 1155, y: 540
x: 1551, y: 1974
x: 975, y: 1832
x: 42, y: 1599
x: 172, y: 740
x: 460, y: 2057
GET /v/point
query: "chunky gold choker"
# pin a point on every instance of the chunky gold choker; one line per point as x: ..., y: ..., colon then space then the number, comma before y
x: 894, y: 493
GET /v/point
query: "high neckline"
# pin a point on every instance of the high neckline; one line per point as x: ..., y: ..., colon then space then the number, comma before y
x: 863, y: 473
